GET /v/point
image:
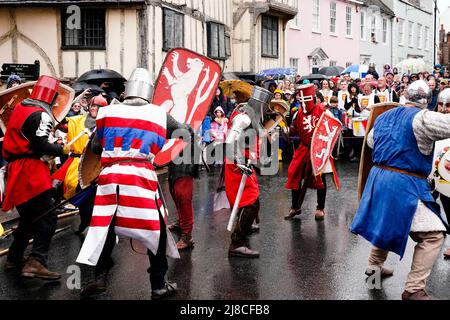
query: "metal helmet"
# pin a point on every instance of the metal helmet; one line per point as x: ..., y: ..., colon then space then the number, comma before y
x: 260, y: 102
x: 306, y: 94
x: 46, y: 90
x: 418, y: 93
x: 443, y: 100
x: 140, y: 85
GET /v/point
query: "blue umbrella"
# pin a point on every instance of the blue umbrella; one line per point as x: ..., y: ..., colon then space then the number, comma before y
x: 278, y: 72
x: 356, y: 71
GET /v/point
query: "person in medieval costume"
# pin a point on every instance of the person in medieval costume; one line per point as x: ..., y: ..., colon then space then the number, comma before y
x: 128, y: 201
x: 300, y: 172
x: 443, y: 106
x: 29, y: 184
x: 181, y: 184
x: 397, y: 199
x: 244, y: 138
x: 68, y: 173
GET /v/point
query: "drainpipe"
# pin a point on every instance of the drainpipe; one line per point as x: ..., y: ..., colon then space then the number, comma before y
x: 434, y: 27
x: 392, y: 42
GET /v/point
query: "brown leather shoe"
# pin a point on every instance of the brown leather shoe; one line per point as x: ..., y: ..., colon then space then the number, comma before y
x: 185, y: 242
x: 447, y: 254
x: 243, y: 252
x: 170, y: 288
x: 385, y: 272
x: 95, y: 287
x: 34, y: 269
x: 320, y: 215
x: 292, y: 213
x: 419, y: 295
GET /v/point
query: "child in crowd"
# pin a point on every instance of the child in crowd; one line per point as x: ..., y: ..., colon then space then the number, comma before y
x: 334, y: 108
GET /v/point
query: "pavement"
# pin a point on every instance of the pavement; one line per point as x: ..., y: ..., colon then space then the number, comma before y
x: 300, y: 260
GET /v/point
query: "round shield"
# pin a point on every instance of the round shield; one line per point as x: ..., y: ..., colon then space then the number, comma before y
x: 90, y: 167
x: 441, y: 167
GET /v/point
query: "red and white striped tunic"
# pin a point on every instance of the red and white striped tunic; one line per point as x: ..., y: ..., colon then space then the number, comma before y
x: 128, y: 185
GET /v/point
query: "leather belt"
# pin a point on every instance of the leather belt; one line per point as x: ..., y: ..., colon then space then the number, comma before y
x: 413, y: 174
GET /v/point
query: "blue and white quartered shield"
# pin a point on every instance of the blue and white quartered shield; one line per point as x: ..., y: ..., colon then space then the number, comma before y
x: 356, y: 71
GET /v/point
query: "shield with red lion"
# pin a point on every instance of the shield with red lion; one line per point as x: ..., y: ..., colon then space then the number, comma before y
x: 185, y: 87
x: 324, y: 138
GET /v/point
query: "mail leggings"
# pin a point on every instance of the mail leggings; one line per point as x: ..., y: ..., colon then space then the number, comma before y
x: 41, y: 230
x: 243, y: 227
x: 158, y: 263
x: 298, y: 196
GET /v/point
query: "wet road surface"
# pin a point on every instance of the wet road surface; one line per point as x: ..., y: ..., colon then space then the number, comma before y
x: 300, y: 259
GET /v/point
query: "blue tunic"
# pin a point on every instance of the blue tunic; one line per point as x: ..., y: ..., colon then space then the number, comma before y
x: 390, y: 199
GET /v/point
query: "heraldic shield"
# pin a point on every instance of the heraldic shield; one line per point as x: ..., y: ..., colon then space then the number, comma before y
x: 11, y: 97
x: 366, y: 154
x: 325, y: 136
x: 185, y: 87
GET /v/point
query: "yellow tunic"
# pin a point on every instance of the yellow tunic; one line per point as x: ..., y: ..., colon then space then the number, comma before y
x: 75, y: 126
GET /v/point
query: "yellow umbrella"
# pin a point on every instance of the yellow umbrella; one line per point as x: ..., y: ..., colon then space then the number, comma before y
x: 240, y: 89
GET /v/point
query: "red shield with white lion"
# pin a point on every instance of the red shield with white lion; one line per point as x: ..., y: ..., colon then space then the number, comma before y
x: 185, y: 87
x: 324, y: 138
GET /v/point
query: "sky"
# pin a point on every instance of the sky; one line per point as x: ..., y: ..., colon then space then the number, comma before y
x: 443, y: 5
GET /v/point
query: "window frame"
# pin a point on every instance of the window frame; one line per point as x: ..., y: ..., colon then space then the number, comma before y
x: 64, y: 16
x: 410, y: 34
x: 401, y: 34
x: 273, y: 19
x: 363, y: 22
x: 348, y: 22
x: 427, y: 39
x: 384, y: 30
x: 333, y: 17
x: 316, y: 14
x: 221, y: 41
x: 419, y: 36
x: 166, y: 48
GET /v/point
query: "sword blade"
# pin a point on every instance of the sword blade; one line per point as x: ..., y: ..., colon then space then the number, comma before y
x: 236, y: 203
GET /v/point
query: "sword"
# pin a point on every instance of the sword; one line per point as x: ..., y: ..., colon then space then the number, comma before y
x: 246, y: 171
x: 79, y: 136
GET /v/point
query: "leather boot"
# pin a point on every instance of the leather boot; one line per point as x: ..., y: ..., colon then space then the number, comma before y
x: 243, y: 252
x: 34, y: 269
x: 170, y: 288
x: 320, y: 215
x: 96, y: 286
x: 185, y: 241
x: 447, y: 254
x: 384, y: 272
x: 292, y: 213
x: 419, y: 295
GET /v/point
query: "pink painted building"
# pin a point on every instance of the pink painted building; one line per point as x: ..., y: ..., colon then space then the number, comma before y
x: 324, y: 33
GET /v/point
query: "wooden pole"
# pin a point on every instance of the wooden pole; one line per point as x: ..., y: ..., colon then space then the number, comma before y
x: 5, y: 251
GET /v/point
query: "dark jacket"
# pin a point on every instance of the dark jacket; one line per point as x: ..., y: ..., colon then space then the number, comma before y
x: 220, y: 101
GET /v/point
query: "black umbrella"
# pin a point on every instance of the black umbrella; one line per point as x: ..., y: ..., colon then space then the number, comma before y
x: 98, y: 76
x: 331, y: 71
x: 314, y: 76
x: 79, y: 87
